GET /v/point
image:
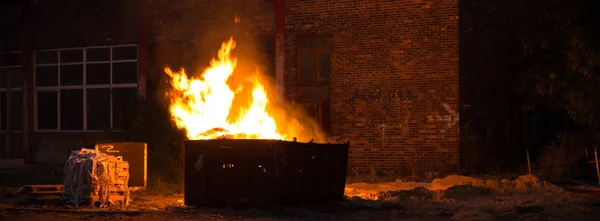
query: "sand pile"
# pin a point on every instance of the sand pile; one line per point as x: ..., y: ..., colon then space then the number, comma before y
x: 525, y: 183
x: 453, y: 186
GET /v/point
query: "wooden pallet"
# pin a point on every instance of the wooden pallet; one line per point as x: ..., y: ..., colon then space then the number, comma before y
x: 120, y: 198
x: 44, y: 189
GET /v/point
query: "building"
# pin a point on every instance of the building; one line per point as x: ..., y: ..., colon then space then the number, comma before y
x: 382, y: 74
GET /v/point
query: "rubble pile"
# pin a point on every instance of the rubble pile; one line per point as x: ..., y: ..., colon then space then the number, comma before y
x: 94, y: 177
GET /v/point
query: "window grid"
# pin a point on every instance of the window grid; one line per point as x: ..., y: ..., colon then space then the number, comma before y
x: 83, y: 85
x: 321, y: 104
x: 12, y: 87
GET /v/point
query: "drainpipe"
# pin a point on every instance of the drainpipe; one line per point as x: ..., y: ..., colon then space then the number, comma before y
x: 27, y: 71
x: 279, y: 49
x: 5, y: 118
x: 142, y: 48
x: 7, y: 115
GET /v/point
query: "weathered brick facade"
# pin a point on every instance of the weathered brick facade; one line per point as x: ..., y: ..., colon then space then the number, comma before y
x: 393, y: 84
x: 394, y: 68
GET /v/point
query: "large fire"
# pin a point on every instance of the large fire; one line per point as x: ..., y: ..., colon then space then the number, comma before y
x: 203, y: 105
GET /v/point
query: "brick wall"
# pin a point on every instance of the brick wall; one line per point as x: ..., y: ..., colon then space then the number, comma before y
x: 394, y: 75
x: 394, y: 67
x: 73, y: 23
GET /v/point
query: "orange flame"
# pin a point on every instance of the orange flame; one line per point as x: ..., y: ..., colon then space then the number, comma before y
x: 203, y: 106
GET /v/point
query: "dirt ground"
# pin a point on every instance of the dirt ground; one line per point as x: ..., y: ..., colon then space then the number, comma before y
x: 200, y: 215
x: 168, y: 207
x: 451, y: 198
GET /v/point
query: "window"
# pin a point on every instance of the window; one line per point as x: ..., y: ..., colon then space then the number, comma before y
x: 313, y: 77
x: 85, y: 89
x: 266, y: 50
x: 11, y: 92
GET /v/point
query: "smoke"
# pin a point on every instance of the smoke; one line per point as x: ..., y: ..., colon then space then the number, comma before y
x: 194, y: 49
x: 253, y: 64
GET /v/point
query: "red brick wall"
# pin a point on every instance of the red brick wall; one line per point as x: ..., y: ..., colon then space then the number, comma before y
x: 394, y: 64
x: 73, y: 23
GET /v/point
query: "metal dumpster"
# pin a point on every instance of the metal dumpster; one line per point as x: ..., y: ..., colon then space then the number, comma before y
x: 224, y: 172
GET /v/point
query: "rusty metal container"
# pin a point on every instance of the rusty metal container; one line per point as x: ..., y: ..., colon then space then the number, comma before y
x: 224, y: 172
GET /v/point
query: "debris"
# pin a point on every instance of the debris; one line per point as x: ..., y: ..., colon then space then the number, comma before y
x: 91, y: 176
x: 44, y: 189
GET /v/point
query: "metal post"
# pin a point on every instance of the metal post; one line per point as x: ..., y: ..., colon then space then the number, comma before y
x: 8, y: 86
x: 597, y: 167
x: 279, y: 49
x: 142, y: 48
x: 528, y: 162
x: 27, y: 71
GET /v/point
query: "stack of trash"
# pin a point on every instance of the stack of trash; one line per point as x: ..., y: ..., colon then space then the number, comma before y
x: 94, y: 177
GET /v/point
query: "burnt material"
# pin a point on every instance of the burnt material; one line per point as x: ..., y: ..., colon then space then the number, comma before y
x: 263, y: 172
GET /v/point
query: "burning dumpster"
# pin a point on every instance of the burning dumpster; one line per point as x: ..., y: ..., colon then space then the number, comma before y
x: 263, y: 172
x: 240, y: 147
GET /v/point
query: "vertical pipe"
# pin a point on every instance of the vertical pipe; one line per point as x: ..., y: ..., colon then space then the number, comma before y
x: 142, y: 48
x: 5, y: 117
x: 528, y: 162
x: 279, y: 49
x: 597, y: 167
x: 27, y: 70
x: 8, y: 114
x: 524, y: 130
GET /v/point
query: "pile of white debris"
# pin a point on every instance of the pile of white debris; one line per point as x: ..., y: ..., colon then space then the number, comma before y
x: 91, y: 176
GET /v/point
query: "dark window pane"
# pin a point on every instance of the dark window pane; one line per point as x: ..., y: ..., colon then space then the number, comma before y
x: 267, y: 61
x: 46, y: 76
x: 47, y: 110
x: 124, y: 100
x: 124, y: 73
x: 307, y: 67
x: 16, y: 110
x: 12, y: 59
x: 97, y: 74
x: 72, y: 55
x: 71, y: 109
x: 314, y: 42
x: 12, y: 76
x: 97, y: 54
x: 310, y: 109
x: 324, y: 65
x: 3, y: 110
x: 314, y: 92
x: 267, y: 44
x: 325, y: 116
x: 71, y: 74
x: 125, y: 53
x: 46, y: 57
x: 98, y: 109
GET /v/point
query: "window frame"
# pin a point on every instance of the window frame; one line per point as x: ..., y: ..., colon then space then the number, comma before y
x: 315, y: 50
x: 324, y: 119
x: 83, y: 86
x: 12, y: 88
x: 273, y: 50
